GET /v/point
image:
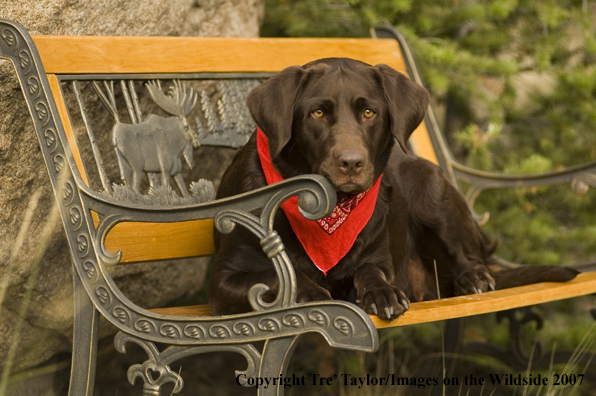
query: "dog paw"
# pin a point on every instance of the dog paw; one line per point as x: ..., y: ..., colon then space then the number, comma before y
x: 385, y: 301
x: 474, y: 281
x: 313, y: 294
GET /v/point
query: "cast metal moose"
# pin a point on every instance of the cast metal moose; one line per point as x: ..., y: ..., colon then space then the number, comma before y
x: 154, y: 146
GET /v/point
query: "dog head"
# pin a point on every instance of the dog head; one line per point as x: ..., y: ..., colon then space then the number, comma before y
x: 338, y: 118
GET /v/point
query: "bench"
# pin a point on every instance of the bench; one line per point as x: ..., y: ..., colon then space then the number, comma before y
x: 161, y: 216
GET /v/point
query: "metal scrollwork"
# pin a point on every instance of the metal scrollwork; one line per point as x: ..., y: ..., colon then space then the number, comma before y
x: 83, y: 245
x: 59, y: 163
x: 153, y: 373
x: 25, y: 59
x: 9, y: 37
x: 170, y: 331
x: 104, y: 227
x: 42, y: 110
x: 33, y: 84
x: 293, y: 320
x: 581, y: 184
x: 269, y: 325
x: 90, y: 269
x: 580, y: 177
x: 219, y: 331
x: 194, y: 331
x: 104, y: 296
x: 344, y: 325
x: 156, y: 371
x: 515, y: 356
x: 50, y: 138
x: 121, y: 314
x: 244, y: 328
x: 518, y: 318
x: 272, y: 244
x: 67, y: 193
x: 319, y: 317
x: 76, y: 218
x: 471, y: 195
x: 144, y: 326
x: 315, y: 200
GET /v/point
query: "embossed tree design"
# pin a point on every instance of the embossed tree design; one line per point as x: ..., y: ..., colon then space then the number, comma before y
x: 213, y: 122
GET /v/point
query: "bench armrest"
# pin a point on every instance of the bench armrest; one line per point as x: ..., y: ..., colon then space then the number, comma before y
x: 316, y: 199
x: 580, y: 178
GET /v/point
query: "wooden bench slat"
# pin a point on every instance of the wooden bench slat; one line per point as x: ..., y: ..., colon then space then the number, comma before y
x: 198, y: 311
x: 515, y: 297
x: 458, y: 307
x: 81, y: 55
x: 160, y: 241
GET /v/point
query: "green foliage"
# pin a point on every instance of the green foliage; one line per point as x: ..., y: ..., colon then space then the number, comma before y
x: 516, y: 82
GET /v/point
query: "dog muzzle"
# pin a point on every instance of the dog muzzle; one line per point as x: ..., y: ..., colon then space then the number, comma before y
x: 328, y: 240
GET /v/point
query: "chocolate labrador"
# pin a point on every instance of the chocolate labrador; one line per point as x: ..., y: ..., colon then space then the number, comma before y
x: 397, y: 218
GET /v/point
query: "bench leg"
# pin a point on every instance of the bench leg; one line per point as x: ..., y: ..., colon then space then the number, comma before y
x: 84, y: 342
x: 274, y: 362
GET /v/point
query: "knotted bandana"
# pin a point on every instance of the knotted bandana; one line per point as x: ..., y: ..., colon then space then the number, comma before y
x: 328, y: 240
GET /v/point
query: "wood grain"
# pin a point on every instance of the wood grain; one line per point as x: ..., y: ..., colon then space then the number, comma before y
x: 196, y: 311
x: 90, y: 54
x: 160, y: 241
x: 515, y: 297
x: 457, y: 307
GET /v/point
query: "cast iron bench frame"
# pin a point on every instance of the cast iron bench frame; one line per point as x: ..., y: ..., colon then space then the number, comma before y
x: 44, y: 64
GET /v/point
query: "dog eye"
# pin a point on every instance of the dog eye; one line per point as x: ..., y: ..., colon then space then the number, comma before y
x: 318, y: 113
x: 368, y: 113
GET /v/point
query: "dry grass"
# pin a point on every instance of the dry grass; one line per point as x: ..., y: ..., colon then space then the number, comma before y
x: 50, y: 224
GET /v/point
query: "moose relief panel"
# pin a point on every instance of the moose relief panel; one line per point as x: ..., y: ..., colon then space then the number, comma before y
x: 141, y: 139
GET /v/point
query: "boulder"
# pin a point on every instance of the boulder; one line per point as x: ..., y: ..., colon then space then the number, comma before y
x: 36, y: 305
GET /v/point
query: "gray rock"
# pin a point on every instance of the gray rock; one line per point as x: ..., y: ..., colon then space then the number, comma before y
x: 36, y: 309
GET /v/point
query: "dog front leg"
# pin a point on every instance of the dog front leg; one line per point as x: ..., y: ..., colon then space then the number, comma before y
x: 468, y: 246
x: 228, y: 288
x: 376, y: 295
x: 308, y: 290
x: 441, y: 214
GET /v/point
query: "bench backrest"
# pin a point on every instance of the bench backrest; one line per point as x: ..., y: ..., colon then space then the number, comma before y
x: 95, y: 73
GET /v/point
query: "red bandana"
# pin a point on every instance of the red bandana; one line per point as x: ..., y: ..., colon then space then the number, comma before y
x: 326, y: 241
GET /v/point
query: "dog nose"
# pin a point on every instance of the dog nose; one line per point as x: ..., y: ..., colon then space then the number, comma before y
x: 350, y: 162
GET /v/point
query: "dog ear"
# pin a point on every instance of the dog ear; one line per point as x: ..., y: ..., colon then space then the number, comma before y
x: 408, y: 102
x: 271, y: 105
